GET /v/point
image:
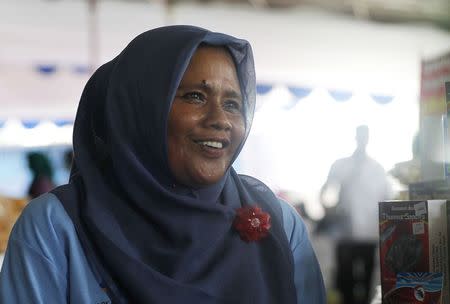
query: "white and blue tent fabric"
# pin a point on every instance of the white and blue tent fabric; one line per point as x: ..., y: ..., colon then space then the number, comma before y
x: 51, y: 72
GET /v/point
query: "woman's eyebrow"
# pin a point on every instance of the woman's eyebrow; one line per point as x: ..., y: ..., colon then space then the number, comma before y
x: 233, y: 94
x: 230, y: 93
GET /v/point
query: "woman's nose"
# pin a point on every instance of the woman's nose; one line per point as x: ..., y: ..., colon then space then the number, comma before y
x: 217, y: 117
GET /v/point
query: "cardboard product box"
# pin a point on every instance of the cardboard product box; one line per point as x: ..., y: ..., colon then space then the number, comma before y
x: 414, y: 251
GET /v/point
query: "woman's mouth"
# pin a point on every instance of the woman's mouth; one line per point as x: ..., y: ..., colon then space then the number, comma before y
x: 213, y: 148
x: 211, y: 144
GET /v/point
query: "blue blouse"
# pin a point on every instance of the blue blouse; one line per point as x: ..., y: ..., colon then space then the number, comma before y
x: 45, y: 263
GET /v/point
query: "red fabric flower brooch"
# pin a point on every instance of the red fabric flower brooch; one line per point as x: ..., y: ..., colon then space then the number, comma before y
x: 252, y: 223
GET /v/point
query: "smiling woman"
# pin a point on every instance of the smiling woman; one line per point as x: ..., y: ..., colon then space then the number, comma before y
x: 154, y: 211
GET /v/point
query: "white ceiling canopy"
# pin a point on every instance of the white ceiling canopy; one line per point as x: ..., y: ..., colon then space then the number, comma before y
x: 301, y: 46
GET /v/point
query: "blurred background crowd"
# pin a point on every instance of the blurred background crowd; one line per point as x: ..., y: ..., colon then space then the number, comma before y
x: 341, y: 119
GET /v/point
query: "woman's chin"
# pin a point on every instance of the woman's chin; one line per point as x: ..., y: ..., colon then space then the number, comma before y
x: 201, y: 179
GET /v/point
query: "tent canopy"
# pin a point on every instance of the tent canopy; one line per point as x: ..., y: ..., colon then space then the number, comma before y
x: 46, y: 53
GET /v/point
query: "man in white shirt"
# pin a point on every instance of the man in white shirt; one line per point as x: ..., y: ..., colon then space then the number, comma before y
x: 357, y: 183
x: 354, y: 186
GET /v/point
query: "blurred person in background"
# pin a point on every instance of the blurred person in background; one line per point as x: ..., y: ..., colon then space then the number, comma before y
x: 154, y: 212
x: 68, y: 159
x: 350, y: 195
x: 63, y: 173
x: 42, y: 174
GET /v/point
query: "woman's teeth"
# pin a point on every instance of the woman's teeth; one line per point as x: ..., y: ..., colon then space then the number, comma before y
x: 212, y: 144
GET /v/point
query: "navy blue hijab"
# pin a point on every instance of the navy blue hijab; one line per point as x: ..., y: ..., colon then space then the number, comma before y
x: 149, y: 239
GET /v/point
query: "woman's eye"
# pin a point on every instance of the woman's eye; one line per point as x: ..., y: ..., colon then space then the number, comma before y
x: 195, y: 97
x: 233, y: 106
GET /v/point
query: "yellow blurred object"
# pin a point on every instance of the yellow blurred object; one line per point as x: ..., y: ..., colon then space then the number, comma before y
x: 334, y: 296
x: 10, y: 209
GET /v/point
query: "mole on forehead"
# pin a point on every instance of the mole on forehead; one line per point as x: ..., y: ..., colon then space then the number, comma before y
x: 206, y: 85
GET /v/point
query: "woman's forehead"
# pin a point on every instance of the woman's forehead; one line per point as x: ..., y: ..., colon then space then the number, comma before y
x: 212, y: 53
x: 209, y: 65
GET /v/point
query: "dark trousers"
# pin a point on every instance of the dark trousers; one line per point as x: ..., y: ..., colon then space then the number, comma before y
x: 355, y: 266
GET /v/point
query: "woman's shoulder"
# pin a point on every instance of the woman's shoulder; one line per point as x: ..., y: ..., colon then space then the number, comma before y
x: 46, y: 203
x: 43, y: 224
x: 44, y: 235
x: 44, y: 211
x: 293, y: 224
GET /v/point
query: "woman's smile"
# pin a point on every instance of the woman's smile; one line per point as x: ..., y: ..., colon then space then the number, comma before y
x: 213, y: 148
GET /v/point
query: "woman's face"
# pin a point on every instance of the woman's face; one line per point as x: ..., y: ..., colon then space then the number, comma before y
x: 206, y: 121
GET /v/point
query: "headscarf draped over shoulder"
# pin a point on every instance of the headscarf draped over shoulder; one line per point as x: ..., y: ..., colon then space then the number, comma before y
x: 149, y: 239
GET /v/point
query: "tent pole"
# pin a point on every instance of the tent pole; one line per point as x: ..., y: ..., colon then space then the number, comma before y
x: 93, y: 35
